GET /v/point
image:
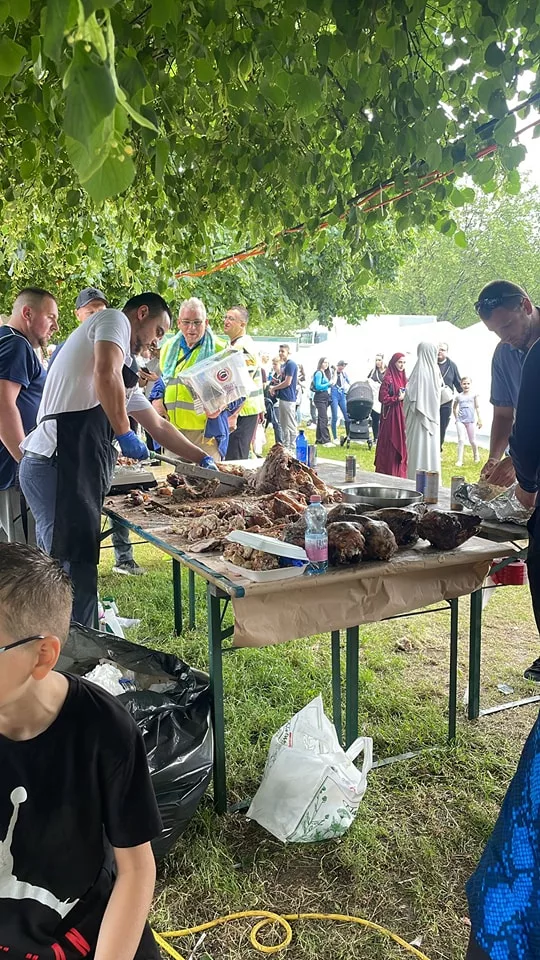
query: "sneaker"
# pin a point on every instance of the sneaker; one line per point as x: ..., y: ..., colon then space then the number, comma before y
x: 130, y: 568
x: 533, y: 672
x: 329, y: 444
x: 459, y: 463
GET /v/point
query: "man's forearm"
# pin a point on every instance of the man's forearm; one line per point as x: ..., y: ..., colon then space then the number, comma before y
x: 12, y: 431
x: 501, y: 429
x: 111, y: 394
x: 169, y: 437
x: 124, y: 919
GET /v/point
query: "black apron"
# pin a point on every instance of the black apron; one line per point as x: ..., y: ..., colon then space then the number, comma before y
x: 85, y: 459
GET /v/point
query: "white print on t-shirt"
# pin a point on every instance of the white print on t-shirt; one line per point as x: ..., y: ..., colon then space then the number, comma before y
x: 10, y: 887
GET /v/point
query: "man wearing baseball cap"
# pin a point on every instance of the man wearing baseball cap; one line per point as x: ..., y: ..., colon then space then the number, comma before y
x: 89, y: 301
x: 338, y: 397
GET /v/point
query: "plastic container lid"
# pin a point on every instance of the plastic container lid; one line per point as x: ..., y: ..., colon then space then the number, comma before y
x: 315, y: 498
x: 257, y: 541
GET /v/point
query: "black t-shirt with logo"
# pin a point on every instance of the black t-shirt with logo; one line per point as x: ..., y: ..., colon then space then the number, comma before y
x: 66, y: 797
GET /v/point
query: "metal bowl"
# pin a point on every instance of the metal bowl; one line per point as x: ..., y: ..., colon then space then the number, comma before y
x: 378, y: 497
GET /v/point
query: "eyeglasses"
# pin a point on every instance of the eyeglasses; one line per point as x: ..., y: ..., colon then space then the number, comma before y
x: 18, y: 643
x: 487, y: 304
x: 192, y: 323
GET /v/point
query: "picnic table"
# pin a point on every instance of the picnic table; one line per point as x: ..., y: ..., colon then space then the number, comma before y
x: 340, y: 600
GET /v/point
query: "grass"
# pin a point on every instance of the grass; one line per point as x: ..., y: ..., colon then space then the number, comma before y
x: 422, y: 824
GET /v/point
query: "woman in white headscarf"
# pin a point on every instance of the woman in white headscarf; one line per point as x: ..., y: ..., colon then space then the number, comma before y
x: 422, y: 412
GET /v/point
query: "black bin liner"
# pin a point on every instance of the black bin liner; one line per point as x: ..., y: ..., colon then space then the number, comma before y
x: 175, y: 724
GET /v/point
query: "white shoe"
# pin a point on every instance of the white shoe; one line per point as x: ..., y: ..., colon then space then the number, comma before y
x: 459, y: 463
x: 329, y: 444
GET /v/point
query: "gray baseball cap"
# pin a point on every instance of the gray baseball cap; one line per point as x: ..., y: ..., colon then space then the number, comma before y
x: 87, y: 295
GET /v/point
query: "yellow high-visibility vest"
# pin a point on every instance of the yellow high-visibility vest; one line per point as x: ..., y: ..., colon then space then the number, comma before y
x: 178, y: 398
x: 254, y: 403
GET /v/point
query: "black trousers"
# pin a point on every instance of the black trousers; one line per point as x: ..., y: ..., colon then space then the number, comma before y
x: 474, y: 952
x: 321, y: 402
x: 240, y: 439
x: 375, y: 420
x: 446, y: 410
x: 533, y: 563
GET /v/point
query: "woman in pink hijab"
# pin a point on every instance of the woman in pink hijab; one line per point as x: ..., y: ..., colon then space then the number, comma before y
x: 391, y: 455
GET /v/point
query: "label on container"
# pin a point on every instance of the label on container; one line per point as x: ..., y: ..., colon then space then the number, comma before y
x: 317, y: 547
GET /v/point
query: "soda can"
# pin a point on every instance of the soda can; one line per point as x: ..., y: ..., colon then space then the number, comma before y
x: 455, y: 484
x: 312, y: 455
x: 431, y: 492
x: 350, y: 469
x: 420, y: 481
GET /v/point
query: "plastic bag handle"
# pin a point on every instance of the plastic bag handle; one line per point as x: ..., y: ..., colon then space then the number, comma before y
x: 356, y: 747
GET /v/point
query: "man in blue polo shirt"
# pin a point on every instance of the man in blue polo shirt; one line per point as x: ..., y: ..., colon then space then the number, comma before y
x: 22, y: 376
x: 286, y: 394
x: 507, y: 310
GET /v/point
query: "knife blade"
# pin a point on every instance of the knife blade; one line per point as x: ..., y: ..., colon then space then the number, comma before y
x: 201, y: 473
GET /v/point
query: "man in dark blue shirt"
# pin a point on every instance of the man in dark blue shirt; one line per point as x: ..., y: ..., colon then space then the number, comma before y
x: 22, y: 376
x: 507, y: 310
x: 286, y: 394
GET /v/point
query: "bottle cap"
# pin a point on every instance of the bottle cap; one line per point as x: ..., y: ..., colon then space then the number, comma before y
x: 315, y: 498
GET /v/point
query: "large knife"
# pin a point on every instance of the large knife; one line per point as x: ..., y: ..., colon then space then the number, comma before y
x: 194, y: 471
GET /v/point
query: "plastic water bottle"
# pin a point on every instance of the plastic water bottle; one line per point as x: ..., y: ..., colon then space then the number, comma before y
x: 316, y: 540
x: 301, y: 447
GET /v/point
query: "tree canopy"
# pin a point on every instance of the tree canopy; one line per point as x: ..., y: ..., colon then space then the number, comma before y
x: 439, y: 277
x: 249, y: 117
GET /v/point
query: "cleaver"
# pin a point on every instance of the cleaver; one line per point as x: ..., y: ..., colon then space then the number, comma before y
x: 193, y: 470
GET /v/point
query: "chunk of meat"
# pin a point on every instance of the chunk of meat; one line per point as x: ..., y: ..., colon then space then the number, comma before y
x: 402, y: 522
x: 208, y: 526
x: 380, y: 541
x: 346, y: 543
x: 296, y: 532
x: 281, y: 471
x: 343, y: 511
x: 446, y: 531
x: 250, y: 558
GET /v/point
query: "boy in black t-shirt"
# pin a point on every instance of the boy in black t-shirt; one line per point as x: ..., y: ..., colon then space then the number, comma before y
x: 77, y: 809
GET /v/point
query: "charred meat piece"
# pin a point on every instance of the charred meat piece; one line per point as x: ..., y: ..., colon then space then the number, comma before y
x: 250, y: 558
x: 402, y: 522
x: 205, y: 527
x: 446, y: 531
x: 343, y: 512
x: 174, y: 480
x: 296, y: 532
x: 137, y: 498
x: 346, y: 543
x: 288, y: 504
x: 380, y: 541
x: 281, y: 471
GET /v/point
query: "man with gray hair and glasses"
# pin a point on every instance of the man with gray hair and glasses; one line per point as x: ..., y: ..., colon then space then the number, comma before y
x: 507, y: 310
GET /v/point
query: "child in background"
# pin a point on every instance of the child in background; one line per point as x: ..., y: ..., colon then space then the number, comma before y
x: 77, y: 808
x: 466, y: 412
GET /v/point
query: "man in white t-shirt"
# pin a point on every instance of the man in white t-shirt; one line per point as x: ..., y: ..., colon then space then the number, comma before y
x: 90, y: 391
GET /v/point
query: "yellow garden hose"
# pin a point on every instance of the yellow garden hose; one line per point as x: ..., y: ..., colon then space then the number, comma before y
x: 265, y: 917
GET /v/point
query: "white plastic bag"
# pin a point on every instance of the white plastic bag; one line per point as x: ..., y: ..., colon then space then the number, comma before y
x: 310, y: 789
x: 259, y: 440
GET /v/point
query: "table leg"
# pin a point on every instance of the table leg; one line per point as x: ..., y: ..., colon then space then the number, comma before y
x: 336, y: 681
x: 351, y: 685
x: 452, y: 692
x: 191, y: 587
x: 475, y: 651
x: 177, y: 597
x: 215, y: 658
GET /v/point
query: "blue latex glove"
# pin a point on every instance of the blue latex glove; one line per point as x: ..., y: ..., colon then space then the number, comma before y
x: 208, y: 463
x: 131, y: 446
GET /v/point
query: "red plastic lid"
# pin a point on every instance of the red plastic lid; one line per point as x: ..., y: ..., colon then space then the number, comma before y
x: 315, y: 498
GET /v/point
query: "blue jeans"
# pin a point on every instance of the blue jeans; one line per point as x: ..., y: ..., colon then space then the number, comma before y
x: 123, y: 548
x: 38, y: 480
x: 338, y: 401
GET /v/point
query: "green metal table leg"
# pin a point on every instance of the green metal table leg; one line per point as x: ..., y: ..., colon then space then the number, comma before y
x: 336, y: 681
x: 215, y: 658
x: 475, y: 650
x: 177, y: 596
x: 351, y: 686
x: 191, y: 587
x: 452, y: 692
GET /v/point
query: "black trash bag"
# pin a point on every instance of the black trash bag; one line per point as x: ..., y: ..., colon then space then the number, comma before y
x: 175, y: 722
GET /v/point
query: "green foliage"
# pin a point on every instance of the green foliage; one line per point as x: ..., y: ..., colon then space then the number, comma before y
x: 251, y: 116
x: 496, y: 238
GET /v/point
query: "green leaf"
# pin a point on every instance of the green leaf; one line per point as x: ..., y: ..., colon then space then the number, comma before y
x: 494, y: 56
x: 113, y: 177
x: 460, y: 240
x: 305, y: 92
x: 505, y: 131
x: 204, y: 71
x: 513, y: 183
x: 131, y: 75
x: 468, y: 194
x: 162, y: 155
x: 483, y: 171
x: 59, y: 18
x: 20, y: 10
x: 434, y: 156
x: 11, y: 54
x: 136, y: 115
x: 87, y: 158
x: 26, y: 117
x: 497, y: 104
x: 90, y: 95
x: 162, y: 12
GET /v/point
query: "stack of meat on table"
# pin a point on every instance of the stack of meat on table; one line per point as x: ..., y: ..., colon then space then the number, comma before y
x: 273, y: 502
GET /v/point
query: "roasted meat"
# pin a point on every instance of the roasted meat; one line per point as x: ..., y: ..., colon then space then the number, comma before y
x: 343, y: 511
x: 380, y: 541
x: 296, y: 532
x: 247, y: 557
x: 281, y: 471
x: 195, y: 489
x: 346, y: 543
x: 446, y: 531
x: 402, y: 522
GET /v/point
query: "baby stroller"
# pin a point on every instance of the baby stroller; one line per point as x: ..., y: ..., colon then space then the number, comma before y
x: 359, y: 407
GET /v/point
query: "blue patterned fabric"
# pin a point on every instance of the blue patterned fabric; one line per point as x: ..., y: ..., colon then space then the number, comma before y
x: 504, y: 892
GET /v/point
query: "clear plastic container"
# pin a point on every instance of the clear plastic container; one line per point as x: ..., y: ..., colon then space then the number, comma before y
x: 316, y: 539
x: 218, y: 380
